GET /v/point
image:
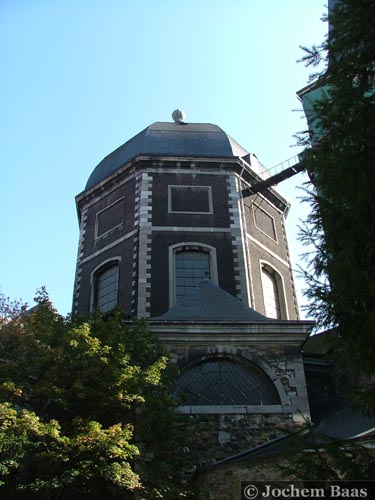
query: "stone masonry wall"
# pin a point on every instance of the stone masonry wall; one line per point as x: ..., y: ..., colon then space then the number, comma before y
x: 225, y: 483
x: 215, y: 437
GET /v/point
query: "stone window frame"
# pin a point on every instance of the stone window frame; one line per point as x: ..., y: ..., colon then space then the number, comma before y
x: 280, y: 287
x: 103, y: 266
x: 256, y: 206
x: 194, y: 246
x: 209, y: 193
x: 96, y: 236
x: 240, y: 409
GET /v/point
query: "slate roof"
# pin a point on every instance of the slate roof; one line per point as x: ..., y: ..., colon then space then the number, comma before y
x: 337, y: 421
x: 170, y: 139
x: 319, y: 344
x: 209, y: 302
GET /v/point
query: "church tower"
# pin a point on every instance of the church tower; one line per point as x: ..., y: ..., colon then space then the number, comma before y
x: 167, y: 233
x: 164, y: 211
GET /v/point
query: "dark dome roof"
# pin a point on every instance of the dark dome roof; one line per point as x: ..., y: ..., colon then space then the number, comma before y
x: 169, y: 139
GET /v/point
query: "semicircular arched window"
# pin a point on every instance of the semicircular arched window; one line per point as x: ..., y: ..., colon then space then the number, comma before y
x: 222, y: 381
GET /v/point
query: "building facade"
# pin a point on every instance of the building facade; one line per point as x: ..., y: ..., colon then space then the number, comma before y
x: 167, y: 234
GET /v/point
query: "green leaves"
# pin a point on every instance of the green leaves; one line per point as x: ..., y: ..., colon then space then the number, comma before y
x: 79, y: 398
x: 43, y: 459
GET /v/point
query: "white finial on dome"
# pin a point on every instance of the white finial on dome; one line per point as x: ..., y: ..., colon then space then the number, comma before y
x: 178, y: 116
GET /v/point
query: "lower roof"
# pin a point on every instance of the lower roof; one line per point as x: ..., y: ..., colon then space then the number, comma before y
x: 209, y: 302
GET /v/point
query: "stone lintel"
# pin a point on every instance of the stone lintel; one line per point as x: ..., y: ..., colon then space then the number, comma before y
x: 222, y: 332
x: 233, y: 409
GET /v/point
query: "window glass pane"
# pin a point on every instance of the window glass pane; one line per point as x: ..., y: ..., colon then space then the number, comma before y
x: 197, y: 272
x: 107, y: 289
x: 196, y: 267
x: 200, y: 264
x: 270, y: 295
x: 225, y: 382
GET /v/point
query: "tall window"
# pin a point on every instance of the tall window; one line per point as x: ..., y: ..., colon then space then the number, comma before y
x: 106, y: 288
x: 192, y: 267
x: 271, y: 294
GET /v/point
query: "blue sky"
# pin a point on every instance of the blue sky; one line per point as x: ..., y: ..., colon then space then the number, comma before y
x: 79, y: 78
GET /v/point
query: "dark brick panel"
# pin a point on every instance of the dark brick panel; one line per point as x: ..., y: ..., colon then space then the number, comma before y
x: 126, y: 192
x: 161, y: 217
x: 160, y: 265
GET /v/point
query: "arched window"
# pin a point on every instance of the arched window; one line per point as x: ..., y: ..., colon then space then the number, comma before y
x: 106, y: 288
x: 224, y: 381
x: 189, y: 264
x: 273, y: 293
x: 270, y: 295
x: 192, y: 267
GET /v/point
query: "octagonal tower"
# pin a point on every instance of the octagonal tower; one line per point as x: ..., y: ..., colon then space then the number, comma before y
x: 165, y: 211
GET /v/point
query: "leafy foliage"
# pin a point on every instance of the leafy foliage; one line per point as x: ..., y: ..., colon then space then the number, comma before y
x: 341, y: 225
x: 37, y: 458
x: 85, y: 409
x: 9, y: 309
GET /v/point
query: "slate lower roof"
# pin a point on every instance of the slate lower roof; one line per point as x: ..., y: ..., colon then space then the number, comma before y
x: 337, y: 419
x: 320, y: 344
x: 209, y: 302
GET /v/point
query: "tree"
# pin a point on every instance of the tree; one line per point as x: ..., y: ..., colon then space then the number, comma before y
x: 10, y: 308
x: 85, y: 409
x: 341, y: 224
